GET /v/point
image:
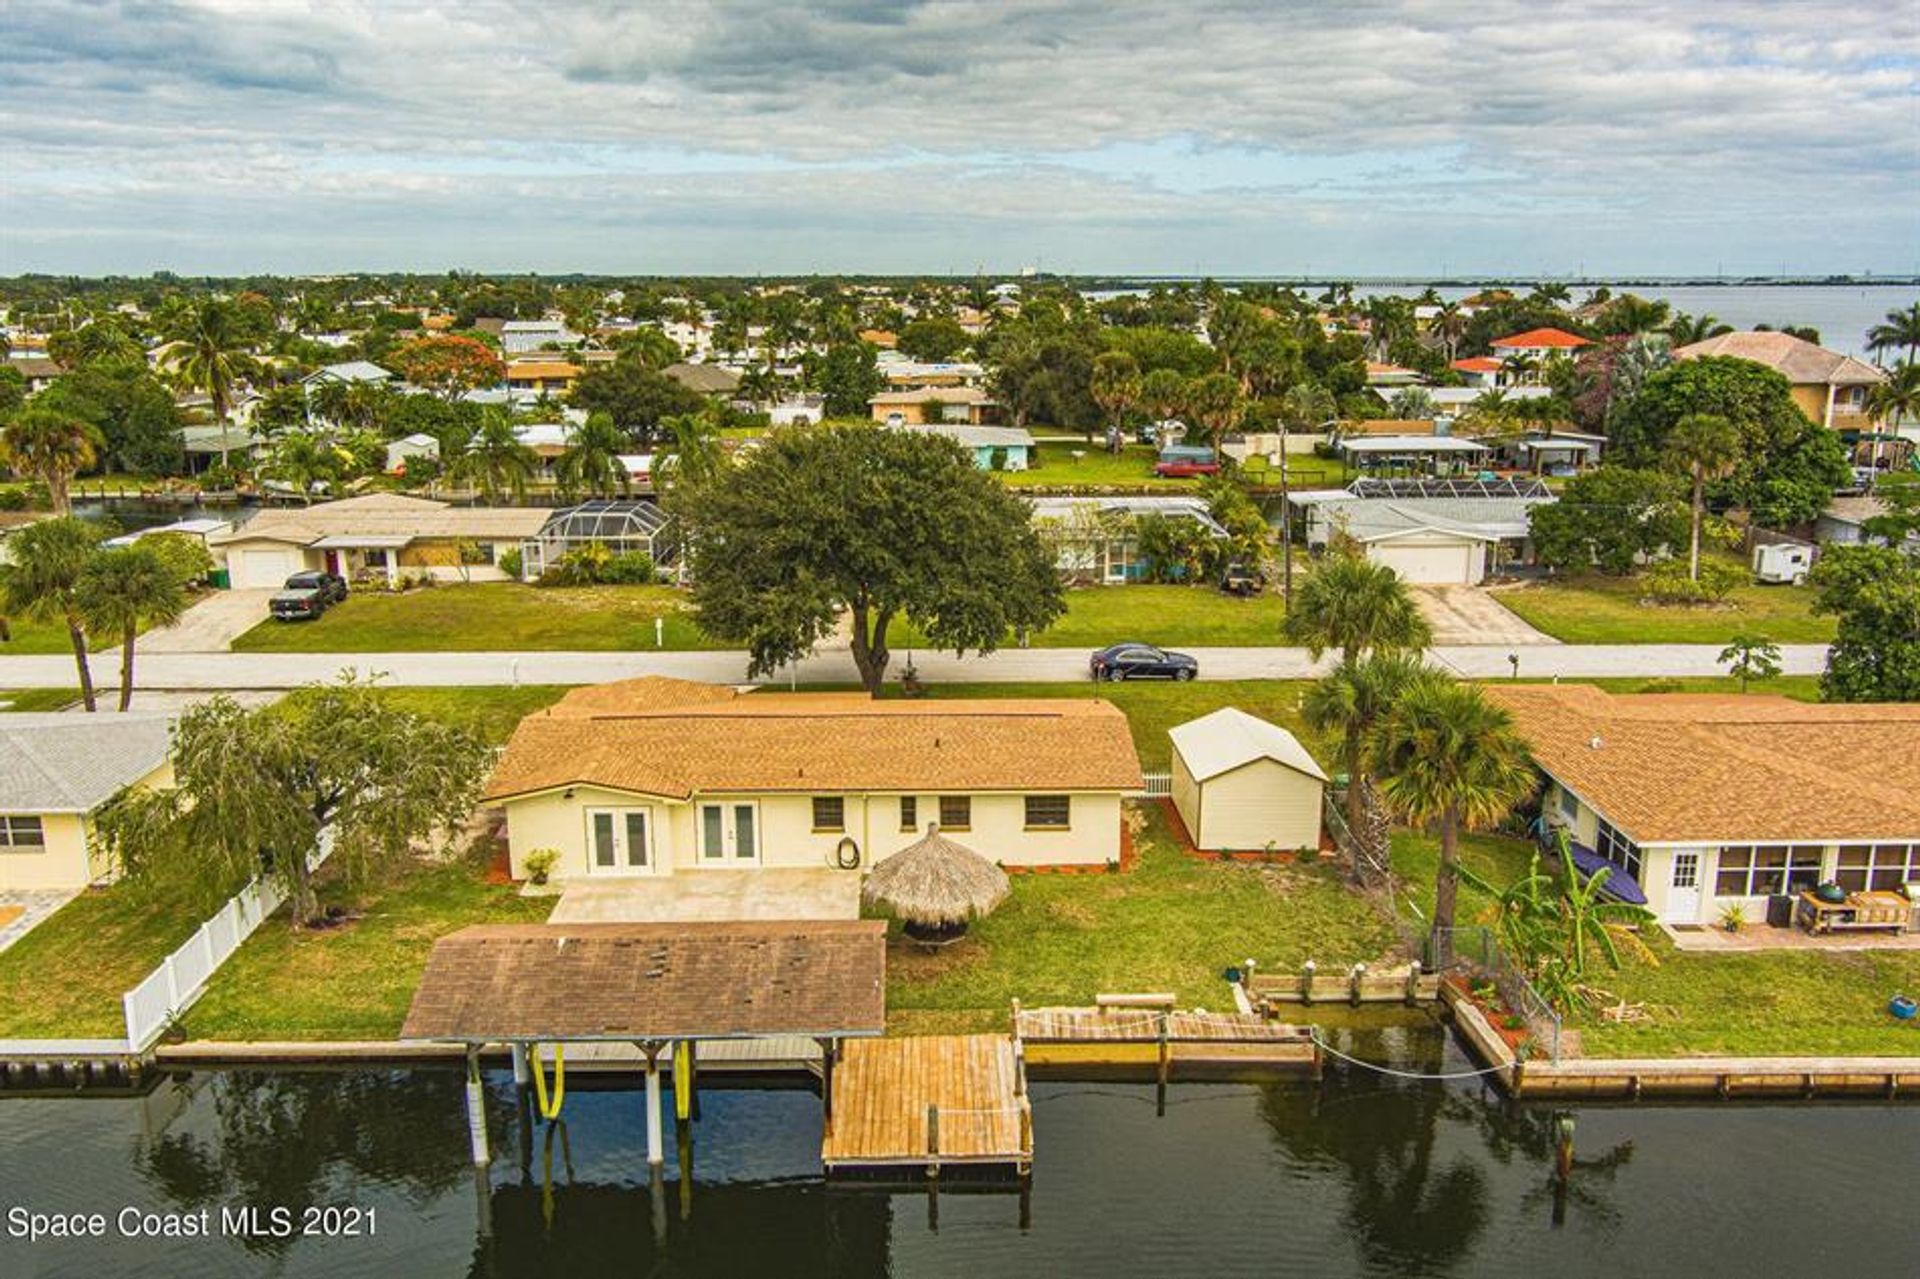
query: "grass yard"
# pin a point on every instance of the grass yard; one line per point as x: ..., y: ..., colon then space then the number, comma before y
x: 1054, y: 466
x: 492, y: 712
x: 489, y: 617
x: 1171, y: 923
x: 1608, y: 610
x: 354, y: 981
x: 33, y: 637
x: 64, y: 979
x: 1194, y: 616
x: 1785, y: 1003
x: 38, y: 699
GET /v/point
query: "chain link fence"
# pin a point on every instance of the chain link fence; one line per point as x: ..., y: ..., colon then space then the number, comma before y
x: 1474, y: 951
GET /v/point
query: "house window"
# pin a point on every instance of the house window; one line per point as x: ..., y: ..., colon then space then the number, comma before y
x: 374, y: 558
x: 22, y: 835
x: 1048, y: 812
x: 1618, y: 849
x: 1749, y: 870
x: 956, y: 812
x: 829, y: 812
x: 909, y: 812
x: 1569, y: 806
x: 1877, y: 867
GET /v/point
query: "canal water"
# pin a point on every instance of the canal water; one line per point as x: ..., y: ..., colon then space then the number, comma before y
x: 1363, y: 1174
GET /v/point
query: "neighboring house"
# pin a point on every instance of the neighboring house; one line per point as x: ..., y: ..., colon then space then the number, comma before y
x: 1004, y: 448
x: 351, y: 373
x: 1393, y: 375
x: 379, y: 534
x: 1829, y: 387
x: 409, y: 447
x: 885, y: 339
x: 803, y: 411
x: 1241, y: 783
x: 914, y: 375
x: 967, y: 405
x: 1539, y: 345
x: 1096, y: 539
x: 1479, y: 372
x: 204, y: 446
x: 1844, y: 519
x: 704, y: 379
x: 1430, y: 532
x: 198, y: 529
x: 1715, y: 800
x: 537, y: 377
x: 520, y: 336
x: 1423, y: 453
x: 39, y: 371
x: 658, y: 776
x: 56, y: 771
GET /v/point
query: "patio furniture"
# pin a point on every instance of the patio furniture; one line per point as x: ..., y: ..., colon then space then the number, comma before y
x: 1859, y: 911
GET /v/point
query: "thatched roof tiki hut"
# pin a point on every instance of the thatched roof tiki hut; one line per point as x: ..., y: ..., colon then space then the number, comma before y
x: 935, y: 887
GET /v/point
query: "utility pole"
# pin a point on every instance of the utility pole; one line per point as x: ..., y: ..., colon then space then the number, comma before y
x: 1286, y: 521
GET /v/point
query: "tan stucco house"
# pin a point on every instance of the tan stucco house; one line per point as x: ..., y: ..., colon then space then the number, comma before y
x: 1709, y: 800
x: 658, y: 776
x: 56, y: 771
x: 1830, y: 388
x: 1241, y: 783
x: 386, y: 534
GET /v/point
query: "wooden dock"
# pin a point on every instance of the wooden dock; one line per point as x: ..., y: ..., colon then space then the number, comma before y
x: 1128, y: 1034
x: 929, y: 1102
x: 1356, y: 985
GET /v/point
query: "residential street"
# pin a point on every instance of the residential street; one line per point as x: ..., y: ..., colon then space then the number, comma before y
x: 286, y: 670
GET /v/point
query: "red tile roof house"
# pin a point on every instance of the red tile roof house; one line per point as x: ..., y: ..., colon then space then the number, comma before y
x: 1539, y: 345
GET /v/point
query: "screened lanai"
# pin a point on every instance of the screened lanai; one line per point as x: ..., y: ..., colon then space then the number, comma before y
x: 619, y: 524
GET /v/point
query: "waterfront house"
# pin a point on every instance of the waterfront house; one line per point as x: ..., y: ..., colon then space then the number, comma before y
x: 1710, y: 801
x: 1829, y: 387
x: 56, y: 772
x: 1538, y: 344
x: 383, y: 535
x: 1241, y: 783
x: 1097, y: 539
x: 993, y: 448
x: 657, y: 776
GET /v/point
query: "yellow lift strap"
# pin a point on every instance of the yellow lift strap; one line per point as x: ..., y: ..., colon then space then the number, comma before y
x: 549, y: 1106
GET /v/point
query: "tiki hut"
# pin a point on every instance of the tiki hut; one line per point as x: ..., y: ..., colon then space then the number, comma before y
x: 935, y: 886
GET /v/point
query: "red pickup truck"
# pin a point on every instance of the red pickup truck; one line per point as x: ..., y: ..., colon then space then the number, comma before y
x: 1178, y: 461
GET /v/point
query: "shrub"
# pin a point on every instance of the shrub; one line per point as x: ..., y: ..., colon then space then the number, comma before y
x: 510, y: 563
x: 631, y: 568
x: 540, y: 863
x: 186, y: 558
x: 1667, y: 582
x: 594, y: 565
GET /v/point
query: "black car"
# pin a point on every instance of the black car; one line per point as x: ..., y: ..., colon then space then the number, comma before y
x: 307, y: 595
x: 1141, y: 661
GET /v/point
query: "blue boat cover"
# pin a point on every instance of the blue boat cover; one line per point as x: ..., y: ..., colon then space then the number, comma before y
x: 1619, y: 885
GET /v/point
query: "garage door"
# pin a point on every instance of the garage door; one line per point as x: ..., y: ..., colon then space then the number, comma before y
x: 1449, y: 565
x: 265, y: 568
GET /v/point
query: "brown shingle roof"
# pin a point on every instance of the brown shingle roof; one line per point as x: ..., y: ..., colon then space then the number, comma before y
x: 386, y: 514
x: 494, y: 982
x: 673, y: 738
x: 1675, y: 768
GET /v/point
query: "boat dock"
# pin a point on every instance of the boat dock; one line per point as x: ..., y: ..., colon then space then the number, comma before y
x: 929, y: 1102
x: 1146, y: 1034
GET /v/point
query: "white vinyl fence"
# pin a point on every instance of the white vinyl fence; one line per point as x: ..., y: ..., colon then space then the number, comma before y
x: 182, y: 977
x: 1159, y: 784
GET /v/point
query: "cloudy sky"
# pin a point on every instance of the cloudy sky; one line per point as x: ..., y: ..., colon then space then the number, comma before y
x: 1358, y: 137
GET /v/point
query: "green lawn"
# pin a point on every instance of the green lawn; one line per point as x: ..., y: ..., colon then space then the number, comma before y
x: 1195, y: 616
x: 31, y: 636
x: 38, y: 699
x: 1595, y: 609
x: 1054, y: 466
x: 353, y: 981
x: 1171, y: 923
x: 1787, y: 1003
x: 492, y: 712
x: 494, y: 616
x: 64, y: 979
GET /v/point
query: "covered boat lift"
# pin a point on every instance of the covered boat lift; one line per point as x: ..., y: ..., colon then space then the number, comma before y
x: 650, y: 985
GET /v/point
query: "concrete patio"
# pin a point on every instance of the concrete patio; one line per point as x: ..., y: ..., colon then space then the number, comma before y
x: 1761, y: 937
x: 711, y: 895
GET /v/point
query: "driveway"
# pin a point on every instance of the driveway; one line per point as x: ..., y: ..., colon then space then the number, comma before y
x: 1468, y: 615
x: 695, y: 895
x: 212, y: 625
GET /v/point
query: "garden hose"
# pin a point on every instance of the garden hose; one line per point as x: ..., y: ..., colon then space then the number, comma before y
x: 549, y: 1107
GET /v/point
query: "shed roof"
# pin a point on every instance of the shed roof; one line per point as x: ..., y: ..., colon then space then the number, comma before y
x: 55, y: 763
x: 1228, y: 738
x: 495, y: 982
x: 1411, y: 444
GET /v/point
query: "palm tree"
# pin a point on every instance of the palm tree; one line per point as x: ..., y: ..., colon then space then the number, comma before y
x: 1307, y: 406
x: 1115, y: 386
x: 1449, y: 757
x: 1897, y: 399
x: 1901, y: 330
x: 495, y: 460
x: 303, y: 460
x: 1350, y: 700
x: 1164, y: 392
x: 1413, y: 404
x: 1520, y: 368
x: 1355, y: 606
x: 1686, y: 329
x: 1216, y: 404
x: 1704, y: 445
x: 1450, y: 323
x: 760, y: 385
x: 51, y: 446
x: 47, y: 558
x: 119, y: 591
x: 696, y: 447
x: 207, y: 355
x: 592, y: 461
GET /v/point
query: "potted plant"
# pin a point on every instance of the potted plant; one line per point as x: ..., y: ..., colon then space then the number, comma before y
x: 540, y: 863
x: 1733, y: 916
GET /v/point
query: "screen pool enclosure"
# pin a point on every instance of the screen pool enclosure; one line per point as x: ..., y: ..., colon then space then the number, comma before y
x: 620, y: 525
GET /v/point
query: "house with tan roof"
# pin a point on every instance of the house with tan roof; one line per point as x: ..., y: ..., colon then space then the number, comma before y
x: 56, y: 772
x: 1714, y: 800
x: 383, y: 534
x: 1829, y: 387
x: 657, y: 776
x: 956, y: 405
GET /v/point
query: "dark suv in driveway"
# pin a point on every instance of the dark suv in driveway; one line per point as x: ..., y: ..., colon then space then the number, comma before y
x: 1141, y: 661
x: 307, y: 595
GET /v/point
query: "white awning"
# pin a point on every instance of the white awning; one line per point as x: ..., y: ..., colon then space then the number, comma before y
x: 363, y: 542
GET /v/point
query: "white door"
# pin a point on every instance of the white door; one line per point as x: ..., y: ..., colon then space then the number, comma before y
x: 730, y: 833
x: 619, y: 841
x: 1683, y: 890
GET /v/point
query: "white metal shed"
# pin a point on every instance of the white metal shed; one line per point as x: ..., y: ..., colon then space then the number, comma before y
x: 1241, y: 783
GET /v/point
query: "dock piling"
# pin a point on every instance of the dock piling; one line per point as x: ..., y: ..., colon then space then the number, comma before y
x: 477, y: 1109
x: 656, y: 1151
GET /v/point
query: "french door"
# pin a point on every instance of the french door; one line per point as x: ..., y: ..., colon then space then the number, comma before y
x: 730, y: 834
x: 619, y: 841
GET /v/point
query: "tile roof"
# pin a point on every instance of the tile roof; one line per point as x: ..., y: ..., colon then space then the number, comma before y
x: 1799, y: 360
x: 675, y: 739
x: 1676, y: 768
x: 653, y: 981
x: 1478, y: 364
x: 1558, y: 339
x: 57, y: 763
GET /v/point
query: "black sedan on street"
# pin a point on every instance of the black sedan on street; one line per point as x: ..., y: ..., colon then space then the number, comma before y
x: 1141, y: 661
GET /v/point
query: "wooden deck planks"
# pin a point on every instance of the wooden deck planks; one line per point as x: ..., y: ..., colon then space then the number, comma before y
x: 883, y: 1088
x: 1131, y: 1025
